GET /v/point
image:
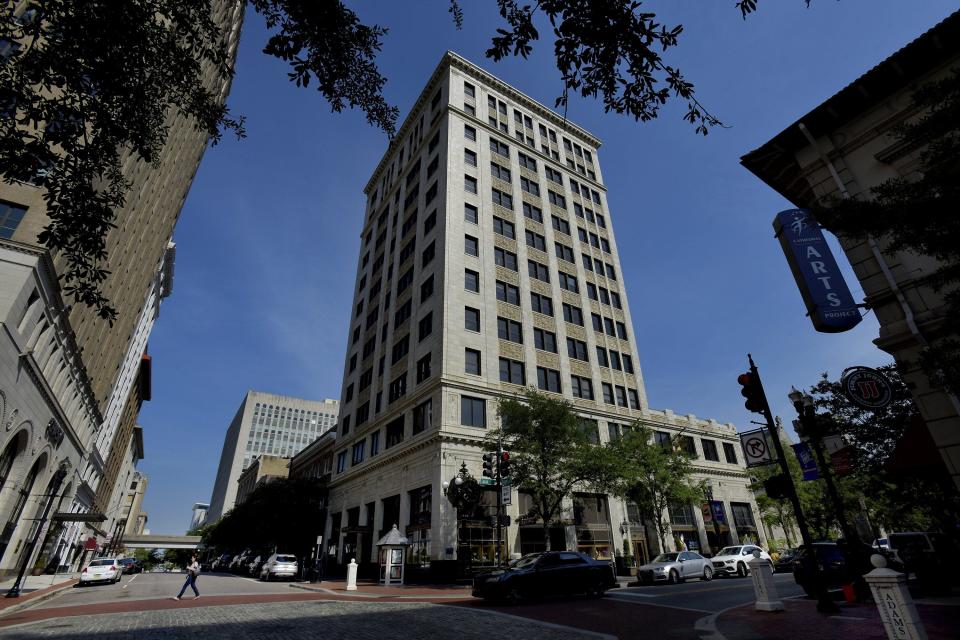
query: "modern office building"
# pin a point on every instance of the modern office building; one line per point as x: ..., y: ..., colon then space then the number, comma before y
x: 843, y: 148
x: 488, y: 264
x: 71, y: 384
x: 132, y: 506
x: 266, y: 424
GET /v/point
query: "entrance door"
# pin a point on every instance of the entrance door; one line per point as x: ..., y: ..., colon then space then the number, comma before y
x: 640, y: 554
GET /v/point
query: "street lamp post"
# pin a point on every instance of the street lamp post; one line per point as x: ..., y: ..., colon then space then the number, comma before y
x: 58, y: 477
x: 713, y: 518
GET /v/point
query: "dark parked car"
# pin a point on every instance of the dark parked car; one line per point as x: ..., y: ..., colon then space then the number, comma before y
x: 130, y: 565
x: 551, y: 573
x: 784, y: 564
x: 830, y: 562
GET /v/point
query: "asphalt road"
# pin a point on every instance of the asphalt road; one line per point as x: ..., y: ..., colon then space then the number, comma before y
x: 707, y: 597
x: 150, y: 586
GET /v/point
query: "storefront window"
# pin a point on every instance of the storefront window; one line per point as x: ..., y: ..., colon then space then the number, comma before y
x: 418, y: 531
x: 593, y: 525
x: 476, y: 538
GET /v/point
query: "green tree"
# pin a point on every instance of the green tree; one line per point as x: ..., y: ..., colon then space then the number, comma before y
x: 284, y: 514
x: 654, y: 476
x: 84, y: 87
x: 552, y: 453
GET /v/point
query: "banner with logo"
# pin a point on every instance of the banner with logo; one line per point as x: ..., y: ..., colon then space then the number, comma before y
x: 807, y: 462
x: 716, y: 509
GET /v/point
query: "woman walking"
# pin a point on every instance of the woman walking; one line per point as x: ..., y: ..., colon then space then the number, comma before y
x: 193, y: 569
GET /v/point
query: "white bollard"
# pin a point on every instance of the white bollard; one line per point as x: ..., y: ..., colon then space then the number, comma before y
x: 352, y: 575
x: 897, y: 611
x: 762, y: 574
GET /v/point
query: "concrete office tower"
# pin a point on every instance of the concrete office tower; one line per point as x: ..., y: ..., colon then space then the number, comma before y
x: 132, y: 506
x: 70, y: 384
x: 266, y: 424
x: 488, y: 264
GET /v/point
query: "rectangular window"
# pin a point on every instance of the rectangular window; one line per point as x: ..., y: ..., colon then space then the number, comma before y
x: 568, y: 282
x: 591, y: 291
x: 469, y: 90
x: 577, y: 349
x: 607, y: 391
x: 430, y: 222
x: 470, y: 213
x: 662, y: 438
x: 615, y: 300
x: 395, y: 431
x: 510, y: 330
x: 563, y: 251
x: 423, y: 368
x: 608, y: 327
x: 634, y: 399
x: 537, y: 270
x: 499, y: 172
x: 710, y: 450
x: 374, y: 443
x: 428, y: 254
x: 359, y: 448
x: 423, y: 417
x: 687, y: 445
x: 425, y: 328
x: 342, y: 461
x: 602, y: 357
x: 527, y: 162
x: 512, y: 371
x: 430, y: 194
x: 532, y: 212
x: 499, y: 148
x: 548, y: 379
x: 729, y: 453
x: 404, y: 281
x: 501, y: 198
x: 508, y: 293
x: 541, y: 304
x: 554, y: 176
x: 471, y: 361
x: 469, y: 157
x: 471, y: 280
x: 504, y: 258
x: 535, y: 240
x: 470, y: 184
x: 582, y: 387
x: 545, y: 340
x: 469, y: 132
x: 504, y: 228
x: 530, y: 186
x: 621, y: 331
x: 621, y: 396
x: 560, y: 225
x: 471, y: 246
x: 615, y: 360
x: 471, y: 319
x: 473, y: 412
x: 426, y: 289
x: 572, y: 314
x: 400, y: 348
x: 556, y: 199
x: 11, y: 216
x: 627, y: 362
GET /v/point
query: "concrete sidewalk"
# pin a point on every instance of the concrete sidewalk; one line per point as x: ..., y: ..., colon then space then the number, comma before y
x: 800, y: 621
x: 34, y: 589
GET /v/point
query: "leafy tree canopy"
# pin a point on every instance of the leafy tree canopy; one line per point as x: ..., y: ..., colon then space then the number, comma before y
x: 553, y: 453
x: 83, y: 87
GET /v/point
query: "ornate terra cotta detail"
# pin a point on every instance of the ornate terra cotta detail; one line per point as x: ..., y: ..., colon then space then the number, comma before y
x: 54, y: 433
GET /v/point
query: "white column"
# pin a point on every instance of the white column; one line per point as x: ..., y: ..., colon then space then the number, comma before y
x: 763, y: 585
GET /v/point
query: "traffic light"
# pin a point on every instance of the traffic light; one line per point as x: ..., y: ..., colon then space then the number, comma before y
x: 504, y: 464
x: 777, y: 487
x: 488, y: 461
x: 753, y: 391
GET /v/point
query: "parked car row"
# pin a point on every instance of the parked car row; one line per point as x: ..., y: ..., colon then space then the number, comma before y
x: 263, y: 566
x: 550, y: 573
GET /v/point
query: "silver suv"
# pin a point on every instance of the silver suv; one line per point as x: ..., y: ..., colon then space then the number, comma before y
x: 279, y: 565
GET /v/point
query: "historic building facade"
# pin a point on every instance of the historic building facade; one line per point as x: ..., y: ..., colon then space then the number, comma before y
x: 842, y: 149
x: 488, y: 264
x: 70, y: 383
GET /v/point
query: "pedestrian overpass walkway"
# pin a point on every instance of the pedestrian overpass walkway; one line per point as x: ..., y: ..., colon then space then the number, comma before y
x: 160, y: 541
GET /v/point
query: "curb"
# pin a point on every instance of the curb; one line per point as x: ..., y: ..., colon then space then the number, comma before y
x: 33, y: 600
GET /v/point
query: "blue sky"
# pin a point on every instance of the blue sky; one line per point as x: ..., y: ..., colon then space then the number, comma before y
x: 268, y: 238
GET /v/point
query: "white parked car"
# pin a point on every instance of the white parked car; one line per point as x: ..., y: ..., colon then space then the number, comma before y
x: 734, y: 560
x: 102, y: 570
x: 279, y: 565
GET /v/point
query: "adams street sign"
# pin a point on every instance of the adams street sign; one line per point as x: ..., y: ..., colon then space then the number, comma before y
x: 829, y: 303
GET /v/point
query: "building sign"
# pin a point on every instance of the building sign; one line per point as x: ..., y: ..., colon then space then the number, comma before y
x: 757, y: 448
x: 829, y: 303
x: 867, y: 388
x: 807, y: 462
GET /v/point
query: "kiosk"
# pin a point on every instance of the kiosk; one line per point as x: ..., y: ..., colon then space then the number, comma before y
x: 393, y: 549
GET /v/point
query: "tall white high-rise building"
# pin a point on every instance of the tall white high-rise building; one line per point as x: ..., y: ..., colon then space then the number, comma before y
x: 488, y: 264
x: 266, y: 424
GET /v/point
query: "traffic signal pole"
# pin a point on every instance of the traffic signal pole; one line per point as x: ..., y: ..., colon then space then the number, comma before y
x: 824, y: 603
x: 499, y: 487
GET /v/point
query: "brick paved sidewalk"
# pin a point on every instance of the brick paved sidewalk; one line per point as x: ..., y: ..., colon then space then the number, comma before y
x: 329, y: 619
x: 801, y: 621
x: 33, y: 589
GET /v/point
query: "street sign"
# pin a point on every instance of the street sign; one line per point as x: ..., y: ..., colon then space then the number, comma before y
x: 507, y: 481
x: 807, y: 462
x: 487, y: 481
x: 867, y: 388
x: 90, y: 544
x: 506, y: 495
x: 757, y: 450
x: 832, y: 444
x: 829, y: 303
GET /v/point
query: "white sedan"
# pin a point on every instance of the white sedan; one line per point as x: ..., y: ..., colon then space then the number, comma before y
x: 735, y: 560
x: 102, y: 570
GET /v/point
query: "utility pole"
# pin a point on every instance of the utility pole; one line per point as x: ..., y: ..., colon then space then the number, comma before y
x: 757, y: 402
